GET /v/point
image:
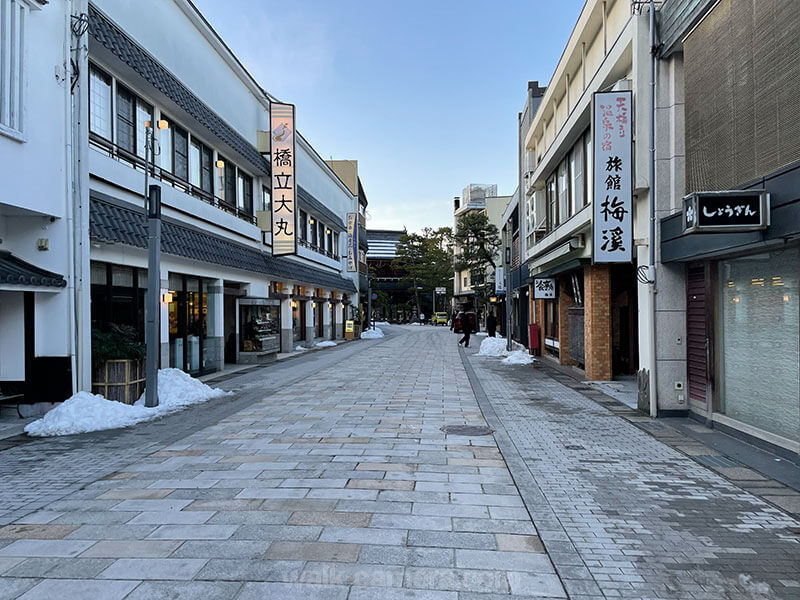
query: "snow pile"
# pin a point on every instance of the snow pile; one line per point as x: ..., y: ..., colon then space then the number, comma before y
x: 327, y: 344
x: 414, y: 323
x: 372, y: 334
x: 381, y: 322
x: 518, y: 357
x: 493, y: 346
x: 300, y: 349
x: 85, y: 412
x: 481, y: 333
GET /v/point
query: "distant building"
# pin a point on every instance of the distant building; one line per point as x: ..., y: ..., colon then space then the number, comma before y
x: 386, y: 277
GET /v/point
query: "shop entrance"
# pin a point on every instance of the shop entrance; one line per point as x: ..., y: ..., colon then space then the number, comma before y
x: 188, y: 324
x: 624, y: 332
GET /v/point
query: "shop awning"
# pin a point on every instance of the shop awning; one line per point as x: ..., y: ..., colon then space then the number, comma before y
x: 563, y: 267
x: 115, y: 223
x: 15, y: 273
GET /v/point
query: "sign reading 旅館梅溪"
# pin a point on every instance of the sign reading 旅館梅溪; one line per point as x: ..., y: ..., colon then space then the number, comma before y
x: 352, y: 242
x: 613, y: 210
x: 544, y: 288
x: 282, y: 149
x: 727, y: 211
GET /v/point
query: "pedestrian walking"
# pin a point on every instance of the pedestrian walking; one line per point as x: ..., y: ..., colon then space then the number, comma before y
x: 491, y: 324
x: 467, y: 325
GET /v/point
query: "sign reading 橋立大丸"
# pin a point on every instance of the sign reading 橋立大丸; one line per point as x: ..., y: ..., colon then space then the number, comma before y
x: 726, y: 211
x: 282, y: 157
x: 544, y: 288
x: 612, y: 230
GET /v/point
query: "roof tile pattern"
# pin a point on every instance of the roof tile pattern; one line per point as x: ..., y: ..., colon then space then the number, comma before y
x: 15, y: 271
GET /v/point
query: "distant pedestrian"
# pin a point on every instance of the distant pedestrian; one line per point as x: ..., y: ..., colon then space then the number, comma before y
x: 466, y: 329
x: 491, y: 324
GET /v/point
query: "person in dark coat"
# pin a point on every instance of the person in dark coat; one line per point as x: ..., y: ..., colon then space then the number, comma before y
x: 466, y: 328
x: 491, y: 324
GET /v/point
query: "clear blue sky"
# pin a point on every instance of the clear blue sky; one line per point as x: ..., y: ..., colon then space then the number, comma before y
x: 424, y: 94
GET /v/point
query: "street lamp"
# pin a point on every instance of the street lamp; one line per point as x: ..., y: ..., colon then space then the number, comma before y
x: 152, y: 333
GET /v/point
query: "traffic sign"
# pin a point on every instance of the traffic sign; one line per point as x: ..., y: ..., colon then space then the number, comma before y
x: 440, y: 290
x: 374, y: 296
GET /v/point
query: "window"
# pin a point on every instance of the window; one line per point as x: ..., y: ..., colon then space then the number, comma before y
x: 230, y: 184
x: 13, y: 20
x: 589, y: 167
x: 194, y: 163
x: 206, y: 170
x: 336, y: 245
x: 99, y: 102
x: 576, y: 177
x: 245, y: 193
x: 180, y: 140
x: 266, y: 199
x: 563, y: 192
x: 314, y: 238
x: 302, y: 229
x: 165, y: 146
x: 126, y: 119
x: 329, y: 241
x: 552, y: 205
x: 144, y: 112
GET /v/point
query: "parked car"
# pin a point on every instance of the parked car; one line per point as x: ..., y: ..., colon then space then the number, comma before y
x: 439, y: 318
x: 463, y: 318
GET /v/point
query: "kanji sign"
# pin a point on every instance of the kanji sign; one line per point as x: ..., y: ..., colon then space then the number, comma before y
x: 352, y: 242
x: 613, y: 206
x: 544, y: 288
x: 283, y: 159
x: 731, y: 211
x: 499, y: 281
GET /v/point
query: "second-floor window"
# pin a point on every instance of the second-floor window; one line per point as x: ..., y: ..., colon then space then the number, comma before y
x: 13, y: 24
x: 245, y: 193
x: 302, y: 227
x: 99, y: 103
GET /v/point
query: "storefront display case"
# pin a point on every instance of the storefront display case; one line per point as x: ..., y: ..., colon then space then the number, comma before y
x: 259, y: 329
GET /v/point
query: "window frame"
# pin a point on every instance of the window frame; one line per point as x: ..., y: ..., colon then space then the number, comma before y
x: 13, y: 83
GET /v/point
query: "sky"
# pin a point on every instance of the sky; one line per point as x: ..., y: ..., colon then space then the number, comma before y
x: 423, y: 93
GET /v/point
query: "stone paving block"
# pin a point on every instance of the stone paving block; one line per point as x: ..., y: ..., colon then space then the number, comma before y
x: 260, y: 591
x: 486, y: 499
x: 131, y: 549
x: 214, y: 505
x: 189, y: 590
x: 392, y: 496
x: 319, y: 551
x: 371, y: 593
x: 509, y: 512
x: 313, y: 483
x: 386, y: 466
x: 242, y: 569
x: 340, y: 519
x: 250, y: 493
x: 135, y: 494
x: 343, y: 494
x: 293, y: 504
x: 193, y: 532
x: 536, y: 585
x: 111, y: 532
x: 95, y: 518
x: 450, y: 510
x: 380, y: 484
x: 447, y: 539
x: 249, y: 517
x: 45, y: 548
x: 513, y: 561
x: 277, y: 532
x: 140, y: 505
x: 172, y: 517
x: 519, y: 543
x: 38, y: 532
x: 7, y: 562
x: 440, y: 486
x: 231, y: 549
x: 405, y: 556
x: 154, y: 568
x: 493, y: 526
x: 412, y: 522
x: 75, y: 568
x: 369, y: 506
x: 12, y: 587
x: 350, y: 574
x: 39, y: 517
x: 79, y: 589
x: 468, y: 580
x: 364, y: 535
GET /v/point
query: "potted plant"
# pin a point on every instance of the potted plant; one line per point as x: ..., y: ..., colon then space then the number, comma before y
x: 118, y: 364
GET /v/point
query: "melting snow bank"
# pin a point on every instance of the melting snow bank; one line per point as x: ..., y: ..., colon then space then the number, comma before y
x: 300, y: 349
x: 372, y: 334
x: 481, y: 333
x: 326, y: 344
x: 518, y: 357
x: 495, y: 346
x: 85, y: 412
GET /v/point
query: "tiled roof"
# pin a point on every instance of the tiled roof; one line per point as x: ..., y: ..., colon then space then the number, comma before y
x: 310, y: 203
x: 110, y: 222
x: 119, y: 44
x: 16, y: 271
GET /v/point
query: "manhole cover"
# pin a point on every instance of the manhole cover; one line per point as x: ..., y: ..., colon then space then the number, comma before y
x: 467, y: 430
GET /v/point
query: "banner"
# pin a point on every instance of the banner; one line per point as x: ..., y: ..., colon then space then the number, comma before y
x: 352, y: 242
x: 612, y: 230
x: 282, y: 148
x: 499, y: 280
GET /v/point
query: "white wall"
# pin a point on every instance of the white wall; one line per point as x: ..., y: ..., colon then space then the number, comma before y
x: 12, y: 340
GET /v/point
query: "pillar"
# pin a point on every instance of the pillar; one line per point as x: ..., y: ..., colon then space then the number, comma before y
x: 214, y: 343
x: 287, y: 339
x: 564, y: 302
x: 326, y: 319
x: 597, y: 322
x: 310, y: 333
x: 164, y: 275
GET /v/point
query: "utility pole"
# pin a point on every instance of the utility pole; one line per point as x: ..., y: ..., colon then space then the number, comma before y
x: 508, y: 297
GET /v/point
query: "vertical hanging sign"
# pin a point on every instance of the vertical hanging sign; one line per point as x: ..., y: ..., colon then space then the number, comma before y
x: 612, y: 231
x: 352, y: 242
x: 282, y: 147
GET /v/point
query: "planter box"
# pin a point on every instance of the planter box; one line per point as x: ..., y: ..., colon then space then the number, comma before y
x: 120, y: 380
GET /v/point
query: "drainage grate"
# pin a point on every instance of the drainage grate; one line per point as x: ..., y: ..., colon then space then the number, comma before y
x: 467, y: 430
x: 711, y: 460
x: 574, y: 447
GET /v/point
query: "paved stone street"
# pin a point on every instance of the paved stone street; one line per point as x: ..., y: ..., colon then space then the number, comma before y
x: 330, y: 477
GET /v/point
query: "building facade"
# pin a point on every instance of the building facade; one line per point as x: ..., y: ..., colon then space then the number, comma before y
x: 595, y: 316
x: 126, y: 111
x: 731, y: 292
